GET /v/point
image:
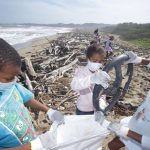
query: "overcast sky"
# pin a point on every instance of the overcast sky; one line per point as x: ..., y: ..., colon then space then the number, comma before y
x: 74, y: 11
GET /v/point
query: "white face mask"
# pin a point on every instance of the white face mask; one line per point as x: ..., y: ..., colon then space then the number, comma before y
x: 93, y: 66
x: 7, y: 86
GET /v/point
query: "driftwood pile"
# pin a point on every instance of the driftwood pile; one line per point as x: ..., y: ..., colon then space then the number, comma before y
x: 48, y: 74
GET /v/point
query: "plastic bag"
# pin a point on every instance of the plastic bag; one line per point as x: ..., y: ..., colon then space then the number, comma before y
x: 80, y: 133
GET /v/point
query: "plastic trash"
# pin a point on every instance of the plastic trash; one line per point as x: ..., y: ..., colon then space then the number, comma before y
x: 79, y: 133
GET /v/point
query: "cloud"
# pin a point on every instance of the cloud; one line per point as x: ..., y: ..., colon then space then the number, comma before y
x: 76, y: 11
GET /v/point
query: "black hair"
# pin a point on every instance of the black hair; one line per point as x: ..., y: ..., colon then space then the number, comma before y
x: 8, y: 55
x: 92, y: 49
x: 96, y: 31
x: 111, y: 37
x: 93, y: 42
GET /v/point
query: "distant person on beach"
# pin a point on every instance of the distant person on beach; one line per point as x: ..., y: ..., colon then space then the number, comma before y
x: 108, y: 46
x: 97, y: 37
x: 133, y: 132
x: 86, y: 77
x: 16, y: 129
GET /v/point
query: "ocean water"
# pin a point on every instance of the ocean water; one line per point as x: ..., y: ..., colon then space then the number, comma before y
x: 19, y: 34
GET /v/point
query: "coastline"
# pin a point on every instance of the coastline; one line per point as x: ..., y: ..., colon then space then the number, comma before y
x: 35, y: 45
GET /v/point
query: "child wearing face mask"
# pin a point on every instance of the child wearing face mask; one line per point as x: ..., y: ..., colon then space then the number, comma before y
x: 86, y: 77
x: 16, y: 129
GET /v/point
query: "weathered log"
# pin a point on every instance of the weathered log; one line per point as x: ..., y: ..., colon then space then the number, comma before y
x: 28, y: 82
x: 62, y: 58
x: 63, y: 69
x: 39, y: 59
x: 30, y: 68
x: 48, y: 61
x: 69, y: 58
x: 67, y: 99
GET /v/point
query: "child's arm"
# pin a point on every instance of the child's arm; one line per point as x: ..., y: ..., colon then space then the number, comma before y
x: 100, y: 77
x: 134, y: 58
x: 42, y: 142
x: 125, y: 132
x: 143, y: 140
x: 80, y: 83
x: 145, y: 62
x: 28, y: 100
x: 37, y: 105
x: 53, y: 115
x: 23, y: 147
x: 80, y: 80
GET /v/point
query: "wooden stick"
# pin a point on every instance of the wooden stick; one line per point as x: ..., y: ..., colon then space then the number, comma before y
x: 30, y: 68
x: 47, y: 62
x: 28, y: 82
x: 68, y: 98
x: 69, y: 58
x: 63, y: 69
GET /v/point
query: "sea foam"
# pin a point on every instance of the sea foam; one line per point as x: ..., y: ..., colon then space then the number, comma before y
x: 19, y: 34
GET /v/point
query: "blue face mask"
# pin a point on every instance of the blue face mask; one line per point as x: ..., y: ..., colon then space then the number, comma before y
x: 7, y: 86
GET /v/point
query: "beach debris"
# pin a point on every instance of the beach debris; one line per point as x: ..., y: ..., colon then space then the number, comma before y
x: 29, y: 67
x: 49, y: 72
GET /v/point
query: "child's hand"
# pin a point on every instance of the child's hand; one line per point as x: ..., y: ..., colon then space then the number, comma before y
x: 102, y: 78
x: 99, y: 116
x: 118, y: 129
x: 102, y: 102
x: 133, y: 58
x: 55, y: 115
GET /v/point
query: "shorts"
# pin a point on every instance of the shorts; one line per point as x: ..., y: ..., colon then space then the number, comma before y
x: 109, y: 49
x: 79, y: 112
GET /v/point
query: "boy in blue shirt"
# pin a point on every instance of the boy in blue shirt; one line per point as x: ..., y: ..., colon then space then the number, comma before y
x: 16, y: 129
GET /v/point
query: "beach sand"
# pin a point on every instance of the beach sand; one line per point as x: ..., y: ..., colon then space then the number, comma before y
x: 36, y: 45
x: 138, y: 88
